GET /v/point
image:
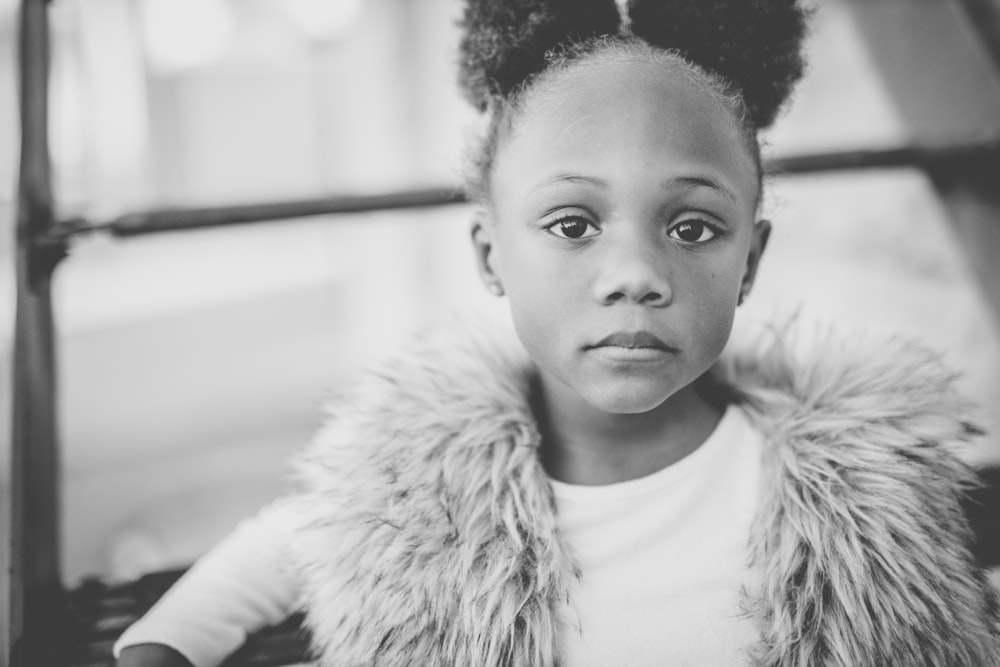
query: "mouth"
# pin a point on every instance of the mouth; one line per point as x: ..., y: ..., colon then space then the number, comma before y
x: 633, y: 340
x: 632, y: 346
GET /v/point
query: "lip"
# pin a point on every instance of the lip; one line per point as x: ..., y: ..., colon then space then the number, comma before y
x: 632, y: 346
x: 633, y: 340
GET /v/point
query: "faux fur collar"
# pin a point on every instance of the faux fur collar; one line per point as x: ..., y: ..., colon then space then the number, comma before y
x: 429, y: 530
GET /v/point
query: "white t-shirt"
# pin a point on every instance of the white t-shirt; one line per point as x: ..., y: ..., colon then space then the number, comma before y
x: 663, y: 559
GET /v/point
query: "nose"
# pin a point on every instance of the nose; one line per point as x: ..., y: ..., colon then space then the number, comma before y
x: 633, y: 272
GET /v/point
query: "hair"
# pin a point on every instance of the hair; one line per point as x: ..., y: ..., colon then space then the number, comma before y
x: 747, y: 53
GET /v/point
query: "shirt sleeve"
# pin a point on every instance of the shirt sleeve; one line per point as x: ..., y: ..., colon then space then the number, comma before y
x: 239, y: 587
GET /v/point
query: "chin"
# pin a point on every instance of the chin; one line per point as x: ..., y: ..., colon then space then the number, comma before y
x: 632, y: 399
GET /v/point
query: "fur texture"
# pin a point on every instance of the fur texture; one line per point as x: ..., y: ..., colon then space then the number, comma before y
x: 429, y: 529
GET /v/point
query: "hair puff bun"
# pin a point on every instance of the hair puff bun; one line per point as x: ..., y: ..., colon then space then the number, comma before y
x: 754, y: 44
x: 505, y: 41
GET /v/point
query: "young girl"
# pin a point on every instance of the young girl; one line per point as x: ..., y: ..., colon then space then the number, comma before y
x: 618, y: 495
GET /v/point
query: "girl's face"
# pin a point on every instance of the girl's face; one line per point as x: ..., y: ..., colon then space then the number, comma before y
x: 623, y: 231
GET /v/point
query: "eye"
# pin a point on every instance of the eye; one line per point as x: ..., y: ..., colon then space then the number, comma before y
x: 692, y: 231
x: 573, y: 227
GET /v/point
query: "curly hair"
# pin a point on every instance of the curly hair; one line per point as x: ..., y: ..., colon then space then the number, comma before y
x: 505, y: 42
x: 748, y: 52
x: 754, y: 44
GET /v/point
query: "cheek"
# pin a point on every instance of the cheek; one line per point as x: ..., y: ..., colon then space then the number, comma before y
x: 526, y: 281
x: 541, y: 323
x: 545, y: 294
x: 531, y: 272
x: 541, y: 304
x: 713, y: 300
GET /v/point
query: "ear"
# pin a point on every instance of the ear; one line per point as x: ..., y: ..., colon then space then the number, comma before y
x: 758, y: 242
x: 482, y: 231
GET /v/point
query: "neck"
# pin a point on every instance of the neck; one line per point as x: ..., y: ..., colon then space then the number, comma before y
x: 584, y: 445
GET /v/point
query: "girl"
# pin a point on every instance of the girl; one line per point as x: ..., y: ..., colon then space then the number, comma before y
x: 619, y: 495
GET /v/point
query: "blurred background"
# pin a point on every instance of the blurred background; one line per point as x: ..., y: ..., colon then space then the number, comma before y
x: 192, y: 365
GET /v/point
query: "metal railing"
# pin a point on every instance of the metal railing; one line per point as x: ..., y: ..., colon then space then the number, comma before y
x: 177, y: 219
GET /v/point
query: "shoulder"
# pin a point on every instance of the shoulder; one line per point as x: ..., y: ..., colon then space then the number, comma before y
x: 856, y: 401
x: 860, y: 426
x: 457, y: 384
x: 861, y: 533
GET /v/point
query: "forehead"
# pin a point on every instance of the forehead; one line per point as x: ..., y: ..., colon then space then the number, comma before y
x: 626, y: 117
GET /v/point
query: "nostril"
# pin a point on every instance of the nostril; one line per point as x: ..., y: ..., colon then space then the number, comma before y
x: 652, y: 297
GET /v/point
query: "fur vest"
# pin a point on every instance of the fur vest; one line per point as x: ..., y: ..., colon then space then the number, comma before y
x: 429, y: 534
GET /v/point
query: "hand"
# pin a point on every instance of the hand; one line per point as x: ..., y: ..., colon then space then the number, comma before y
x: 151, y: 655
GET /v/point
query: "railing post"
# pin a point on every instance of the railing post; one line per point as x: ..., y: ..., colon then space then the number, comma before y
x: 37, y: 630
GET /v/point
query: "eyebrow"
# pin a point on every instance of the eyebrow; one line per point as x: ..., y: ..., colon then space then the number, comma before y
x: 704, y: 182
x: 572, y: 178
x: 688, y: 181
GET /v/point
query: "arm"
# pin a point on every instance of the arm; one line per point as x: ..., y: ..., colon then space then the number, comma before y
x: 239, y: 587
x: 151, y: 655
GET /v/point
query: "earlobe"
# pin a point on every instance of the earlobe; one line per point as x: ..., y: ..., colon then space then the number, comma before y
x: 482, y: 242
x: 758, y: 243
